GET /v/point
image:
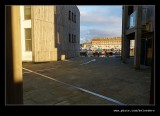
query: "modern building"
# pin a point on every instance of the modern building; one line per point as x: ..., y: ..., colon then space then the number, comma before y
x: 138, y: 24
x: 49, y: 33
x: 107, y: 43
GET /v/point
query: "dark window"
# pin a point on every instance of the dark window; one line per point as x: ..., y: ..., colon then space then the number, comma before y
x: 72, y: 16
x: 27, y: 12
x: 28, y: 39
x: 72, y: 38
x: 69, y: 38
x: 75, y: 18
x: 130, y: 10
x: 69, y: 15
x: 75, y: 38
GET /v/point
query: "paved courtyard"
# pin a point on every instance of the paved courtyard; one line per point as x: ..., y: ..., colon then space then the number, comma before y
x: 85, y: 81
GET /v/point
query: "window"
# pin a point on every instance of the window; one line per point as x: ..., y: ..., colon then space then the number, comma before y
x: 27, y: 12
x: 58, y: 38
x: 75, y: 18
x: 69, y: 38
x: 75, y: 38
x: 69, y: 15
x: 28, y: 39
x: 132, y: 20
x: 72, y: 38
x: 72, y: 16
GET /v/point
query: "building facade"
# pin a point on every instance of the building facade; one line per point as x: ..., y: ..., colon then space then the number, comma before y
x: 107, y: 43
x: 138, y: 24
x: 49, y: 32
x: 87, y: 45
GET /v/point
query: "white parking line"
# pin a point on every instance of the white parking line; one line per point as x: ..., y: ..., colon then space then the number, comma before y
x: 41, y: 70
x: 68, y: 60
x: 93, y: 60
x: 79, y: 88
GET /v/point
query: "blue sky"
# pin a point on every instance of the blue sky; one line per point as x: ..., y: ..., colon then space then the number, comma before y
x: 100, y: 21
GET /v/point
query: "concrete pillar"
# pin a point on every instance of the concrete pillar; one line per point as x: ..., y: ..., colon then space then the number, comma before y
x: 14, y: 88
x: 124, y: 37
x: 127, y: 47
x: 138, y: 27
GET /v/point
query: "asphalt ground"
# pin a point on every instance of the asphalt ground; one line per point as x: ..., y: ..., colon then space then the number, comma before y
x: 86, y: 81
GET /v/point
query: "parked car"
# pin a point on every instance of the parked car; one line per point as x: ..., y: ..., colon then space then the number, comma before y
x: 102, y: 54
x: 83, y: 52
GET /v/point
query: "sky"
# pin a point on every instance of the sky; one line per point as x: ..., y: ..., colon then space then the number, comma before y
x: 100, y: 21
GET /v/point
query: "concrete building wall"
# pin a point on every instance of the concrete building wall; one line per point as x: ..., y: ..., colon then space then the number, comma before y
x: 50, y: 27
x: 142, y: 32
x: 43, y: 45
x: 64, y: 26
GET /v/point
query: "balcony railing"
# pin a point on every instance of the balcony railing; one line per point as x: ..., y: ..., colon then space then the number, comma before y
x: 132, y: 20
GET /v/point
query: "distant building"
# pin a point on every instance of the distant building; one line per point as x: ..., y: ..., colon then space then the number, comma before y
x: 138, y: 24
x: 107, y: 43
x: 132, y: 44
x: 132, y: 47
x: 49, y: 32
x: 87, y: 45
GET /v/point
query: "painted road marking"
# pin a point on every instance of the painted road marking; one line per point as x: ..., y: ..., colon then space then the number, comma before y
x: 68, y: 60
x: 79, y: 88
x: 93, y: 60
x: 41, y: 70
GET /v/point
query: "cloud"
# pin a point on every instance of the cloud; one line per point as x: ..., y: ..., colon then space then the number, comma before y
x: 100, y: 17
x: 97, y: 33
x: 100, y: 21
